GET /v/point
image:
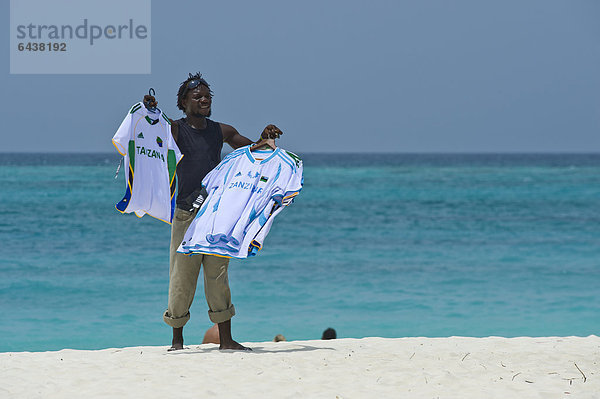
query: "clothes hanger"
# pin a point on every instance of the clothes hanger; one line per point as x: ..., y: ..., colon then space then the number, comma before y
x: 264, y: 143
x: 267, y: 138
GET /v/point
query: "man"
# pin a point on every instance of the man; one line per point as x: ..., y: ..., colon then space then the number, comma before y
x: 200, y: 141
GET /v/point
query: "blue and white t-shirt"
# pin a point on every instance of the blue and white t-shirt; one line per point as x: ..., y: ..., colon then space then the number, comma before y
x: 244, y: 196
x: 151, y: 156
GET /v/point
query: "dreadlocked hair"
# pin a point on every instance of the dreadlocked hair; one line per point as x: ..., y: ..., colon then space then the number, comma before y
x: 183, y: 88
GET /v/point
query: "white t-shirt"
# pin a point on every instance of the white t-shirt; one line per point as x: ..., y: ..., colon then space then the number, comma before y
x: 244, y: 196
x: 151, y: 156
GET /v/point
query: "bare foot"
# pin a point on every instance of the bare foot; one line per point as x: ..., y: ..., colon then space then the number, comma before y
x: 232, y: 345
x: 175, y: 347
x: 177, y: 342
x: 227, y: 341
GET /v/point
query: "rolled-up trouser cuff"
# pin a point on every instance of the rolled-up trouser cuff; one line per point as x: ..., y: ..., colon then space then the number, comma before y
x: 223, y: 315
x: 176, y: 322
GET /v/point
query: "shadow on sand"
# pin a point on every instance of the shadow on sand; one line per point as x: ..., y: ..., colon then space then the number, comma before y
x: 255, y: 349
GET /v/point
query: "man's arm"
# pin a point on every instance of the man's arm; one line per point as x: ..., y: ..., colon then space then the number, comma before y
x: 174, y: 130
x: 233, y: 137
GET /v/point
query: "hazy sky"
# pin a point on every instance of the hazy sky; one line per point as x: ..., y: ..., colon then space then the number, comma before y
x: 344, y: 76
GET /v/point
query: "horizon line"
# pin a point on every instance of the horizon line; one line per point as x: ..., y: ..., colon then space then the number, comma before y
x: 513, y: 152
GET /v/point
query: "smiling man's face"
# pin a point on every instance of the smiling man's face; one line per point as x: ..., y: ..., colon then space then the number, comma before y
x: 197, y: 102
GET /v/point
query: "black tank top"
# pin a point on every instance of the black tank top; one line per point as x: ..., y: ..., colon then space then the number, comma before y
x: 201, y: 149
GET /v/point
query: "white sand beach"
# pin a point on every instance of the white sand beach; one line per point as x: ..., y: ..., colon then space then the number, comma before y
x: 455, y: 367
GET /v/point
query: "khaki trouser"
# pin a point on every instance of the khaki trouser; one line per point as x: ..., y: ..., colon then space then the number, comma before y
x: 183, y: 276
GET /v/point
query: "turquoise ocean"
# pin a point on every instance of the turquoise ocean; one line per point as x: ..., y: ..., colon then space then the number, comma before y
x: 389, y: 245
